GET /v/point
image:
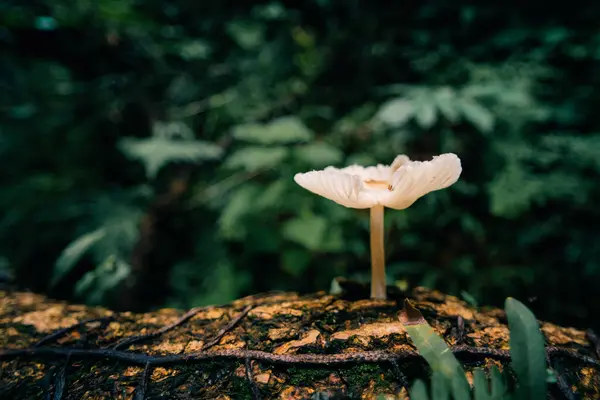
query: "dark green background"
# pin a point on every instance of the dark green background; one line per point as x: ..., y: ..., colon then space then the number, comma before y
x: 147, y: 148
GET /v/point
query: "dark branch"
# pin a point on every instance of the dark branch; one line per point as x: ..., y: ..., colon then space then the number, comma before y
x: 594, y: 340
x: 140, y: 393
x: 460, y: 330
x: 242, y: 354
x: 59, y: 386
x: 250, y: 378
x: 124, y: 343
x: 399, y: 375
x: 227, y: 328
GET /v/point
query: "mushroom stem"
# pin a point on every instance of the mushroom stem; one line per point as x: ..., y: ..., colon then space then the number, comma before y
x: 378, y: 290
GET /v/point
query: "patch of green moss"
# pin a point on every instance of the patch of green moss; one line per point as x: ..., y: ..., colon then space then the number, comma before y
x: 240, y: 388
x: 213, y: 371
x: 304, y: 376
x: 359, y: 375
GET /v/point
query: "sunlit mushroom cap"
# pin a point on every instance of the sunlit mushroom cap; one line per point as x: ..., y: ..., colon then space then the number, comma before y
x: 395, y: 186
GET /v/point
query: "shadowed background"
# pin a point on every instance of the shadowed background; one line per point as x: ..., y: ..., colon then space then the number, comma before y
x: 147, y: 148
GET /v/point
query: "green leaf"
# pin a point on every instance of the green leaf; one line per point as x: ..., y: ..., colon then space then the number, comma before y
x: 440, y: 390
x: 283, y: 130
x: 445, y: 99
x: 318, y: 155
x: 95, y: 284
x: 426, y: 114
x: 254, y: 159
x: 433, y: 348
x: 86, y: 283
x: 469, y: 298
x: 156, y: 152
x: 499, y: 390
x: 514, y: 191
x: 477, y: 115
x: 254, y: 133
x: 333, y: 242
x: 240, y: 204
x: 270, y: 11
x: 461, y: 390
x: 248, y: 35
x: 419, y: 391
x: 112, y: 272
x: 396, y: 112
x: 480, y: 385
x: 273, y: 196
x: 195, y: 50
x: 45, y: 23
x: 73, y: 252
x: 295, y: 262
x: 527, y: 351
x: 307, y: 231
x: 551, y: 378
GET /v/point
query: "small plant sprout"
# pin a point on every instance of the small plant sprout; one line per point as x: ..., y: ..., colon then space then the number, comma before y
x: 395, y: 186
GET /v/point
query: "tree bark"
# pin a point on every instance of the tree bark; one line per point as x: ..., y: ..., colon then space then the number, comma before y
x: 269, y: 346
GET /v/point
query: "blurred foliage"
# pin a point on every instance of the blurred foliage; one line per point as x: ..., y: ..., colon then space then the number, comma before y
x: 148, y: 148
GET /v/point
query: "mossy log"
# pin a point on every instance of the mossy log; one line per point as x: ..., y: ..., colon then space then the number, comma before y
x: 270, y: 346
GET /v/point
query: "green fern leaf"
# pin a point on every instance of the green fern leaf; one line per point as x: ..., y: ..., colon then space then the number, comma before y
x: 308, y: 231
x: 318, y: 155
x: 73, y: 252
x: 426, y: 111
x: 396, y: 112
x: 254, y: 159
x: 476, y: 114
x: 445, y: 100
x: 96, y: 283
x: 283, y: 130
x: 239, y: 206
x: 156, y: 152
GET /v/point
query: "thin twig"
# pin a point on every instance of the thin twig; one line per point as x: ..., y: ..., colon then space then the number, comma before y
x: 227, y: 328
x: 562, y: 382
x: 399, y: 375
x: 124, y: 343
x: 250, y: 379
x: 594, y: 340
x: 565, y: 387
x: 460, y: 330
x: 59, y: 386
x: 557, y: 351
x: 140, y: 393
x: 238, y: 354
x: 375, y: 356
x: 57, y: 334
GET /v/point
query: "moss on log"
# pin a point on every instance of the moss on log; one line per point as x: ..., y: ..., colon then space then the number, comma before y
x: 270, y: 346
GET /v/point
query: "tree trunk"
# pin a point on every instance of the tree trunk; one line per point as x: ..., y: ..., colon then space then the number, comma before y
x: 270, y: 346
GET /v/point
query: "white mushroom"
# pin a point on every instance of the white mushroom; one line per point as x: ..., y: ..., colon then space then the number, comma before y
x: 395, y: 186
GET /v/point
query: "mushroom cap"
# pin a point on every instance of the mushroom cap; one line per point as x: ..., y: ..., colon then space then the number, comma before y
x: 395, y: 186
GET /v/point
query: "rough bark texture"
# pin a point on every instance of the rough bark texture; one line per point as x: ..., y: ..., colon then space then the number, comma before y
x: 277, y: 345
